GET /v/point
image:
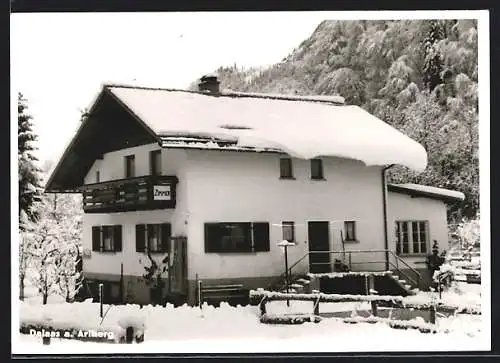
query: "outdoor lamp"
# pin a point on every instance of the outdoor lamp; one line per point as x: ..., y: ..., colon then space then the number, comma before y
x: 285, y: 244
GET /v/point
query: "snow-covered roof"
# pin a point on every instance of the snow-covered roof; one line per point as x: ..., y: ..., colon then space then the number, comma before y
x: 426, y: 191
x: 303, y: 127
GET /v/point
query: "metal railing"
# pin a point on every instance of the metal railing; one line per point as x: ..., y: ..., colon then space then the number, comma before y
x: 395, y: 263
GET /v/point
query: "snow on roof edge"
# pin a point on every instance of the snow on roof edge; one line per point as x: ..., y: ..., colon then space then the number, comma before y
x: 429, y: 190
x: 331, y: 99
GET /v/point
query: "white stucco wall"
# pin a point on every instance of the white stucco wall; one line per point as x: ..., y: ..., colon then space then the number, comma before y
x: 245, y: 187
x: 219, y: 186
x: 405, y: 208
x: 111, y: 168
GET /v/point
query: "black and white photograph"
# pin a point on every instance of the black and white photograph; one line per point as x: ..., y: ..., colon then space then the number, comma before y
x: 250, y: 182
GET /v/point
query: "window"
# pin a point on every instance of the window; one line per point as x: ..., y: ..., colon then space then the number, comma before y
x: 129, y: 166
x: 286, y: 171
x: 288, y: 229
x: 411, y: 237
x: 317, y: 169
x: 155, y: 162
x: 350, y: 230
x: 97, y: 176
x: 237, y: 237
x: 152, y: 237
x: 107, y: 238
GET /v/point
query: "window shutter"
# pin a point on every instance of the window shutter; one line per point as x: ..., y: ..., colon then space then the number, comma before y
x: 166, y: 232
x: 212, y: 237
x: 140, y: 238
x: 117, y: 237
x: 261, y: 236
x: 96, y: 238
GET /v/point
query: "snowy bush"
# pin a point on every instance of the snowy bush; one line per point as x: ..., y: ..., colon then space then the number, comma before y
x: 468, y: 232
x: 51, y: 247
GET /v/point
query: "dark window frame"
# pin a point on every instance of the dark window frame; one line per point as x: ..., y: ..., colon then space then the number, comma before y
x: 143, y: 239
x: 286, y: 168
x: 255, y: 237
x: 288, y: 224
x: 116, y: 234
x: 405, y: 234
x: 97, y: 176
x: 130, y: 166
x: 349, y: 238
x: 152, y: 162
x: 317, y: 170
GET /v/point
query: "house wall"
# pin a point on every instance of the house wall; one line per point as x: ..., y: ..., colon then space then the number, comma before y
x: 245, y: 187
x: 217, y: 186
x: 106, y: 265
x: 403, y: 207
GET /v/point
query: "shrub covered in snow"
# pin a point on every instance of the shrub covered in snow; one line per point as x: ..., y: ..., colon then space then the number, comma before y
x: 468, y: 232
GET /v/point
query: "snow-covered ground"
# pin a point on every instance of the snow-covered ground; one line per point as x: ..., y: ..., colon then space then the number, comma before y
x: 238, y: 329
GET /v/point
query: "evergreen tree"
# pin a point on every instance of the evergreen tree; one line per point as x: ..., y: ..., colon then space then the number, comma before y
x: 29, y: 179
x: 29, y: 185
x: 433, y: 65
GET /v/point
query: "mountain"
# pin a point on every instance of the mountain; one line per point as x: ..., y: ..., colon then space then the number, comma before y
x: 420, y: 76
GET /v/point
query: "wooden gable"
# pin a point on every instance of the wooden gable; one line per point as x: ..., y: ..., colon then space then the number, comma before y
x: 109, y: 126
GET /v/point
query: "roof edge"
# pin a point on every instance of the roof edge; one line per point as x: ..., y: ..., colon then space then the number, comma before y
x: 402, y: 189
x: 328, y: 99
x: 47, y: 187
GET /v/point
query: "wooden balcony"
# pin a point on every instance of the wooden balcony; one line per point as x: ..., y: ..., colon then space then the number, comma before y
x: 133, y: 194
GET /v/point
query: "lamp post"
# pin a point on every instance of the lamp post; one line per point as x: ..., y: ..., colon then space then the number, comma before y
x: 285, y: 244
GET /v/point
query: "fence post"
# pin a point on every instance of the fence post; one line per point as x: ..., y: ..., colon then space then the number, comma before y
x: 100, y: 299
x: 432, y: 310
x: 263, y: 306
x: 200, y: 303
x: 316, y: 306
x: 371, y: 287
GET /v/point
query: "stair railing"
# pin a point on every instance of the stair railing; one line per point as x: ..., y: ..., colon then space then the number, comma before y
x: 396, y: 266
x: 281, y: 277
x: 417, y: 274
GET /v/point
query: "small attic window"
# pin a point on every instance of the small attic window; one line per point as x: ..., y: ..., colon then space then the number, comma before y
x: 235, y: 127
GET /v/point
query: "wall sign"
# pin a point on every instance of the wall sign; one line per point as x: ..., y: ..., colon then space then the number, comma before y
x: 161, y: 192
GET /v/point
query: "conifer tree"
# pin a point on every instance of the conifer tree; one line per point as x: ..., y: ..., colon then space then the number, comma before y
x: 29, y: 173
x: 433, y: 65
x: 29, y: 184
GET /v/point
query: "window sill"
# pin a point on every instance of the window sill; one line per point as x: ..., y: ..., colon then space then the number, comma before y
x: 246, y: 253
x: 412, y: 255
x: 108, y: 252
x: 287, y: 178
x: 318, y: 179
x: 351, y: 241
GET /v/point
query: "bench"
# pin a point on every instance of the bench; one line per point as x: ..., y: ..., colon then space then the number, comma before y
x: 232, y: 293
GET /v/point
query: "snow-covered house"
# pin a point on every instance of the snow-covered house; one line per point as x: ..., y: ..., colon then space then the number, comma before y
x: 215, y: 179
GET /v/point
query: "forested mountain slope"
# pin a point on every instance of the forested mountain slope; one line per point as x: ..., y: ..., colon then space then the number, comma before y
x: 418, y: 75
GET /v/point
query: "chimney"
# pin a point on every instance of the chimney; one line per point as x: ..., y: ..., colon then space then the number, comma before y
x: 209, y: 84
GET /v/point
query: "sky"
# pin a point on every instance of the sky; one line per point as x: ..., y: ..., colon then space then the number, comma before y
x: 60, y: 60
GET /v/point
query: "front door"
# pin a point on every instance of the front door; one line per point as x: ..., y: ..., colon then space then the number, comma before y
x: 177, y: 267
x: 319, y: 240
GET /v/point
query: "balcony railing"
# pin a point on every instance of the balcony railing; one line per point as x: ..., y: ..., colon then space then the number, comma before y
x: 123, y: 195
